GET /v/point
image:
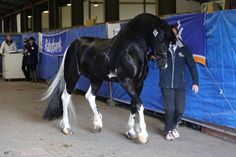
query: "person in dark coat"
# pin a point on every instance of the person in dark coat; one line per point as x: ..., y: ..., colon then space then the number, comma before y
x: 26, y: 60
x: 172, y: 84
x: 33, y: 58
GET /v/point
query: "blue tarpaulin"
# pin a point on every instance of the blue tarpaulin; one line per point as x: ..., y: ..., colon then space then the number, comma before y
x: 219, y: 84
x: 216, y: 101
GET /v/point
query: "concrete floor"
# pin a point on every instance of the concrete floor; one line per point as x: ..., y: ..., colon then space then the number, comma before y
x: 23, y: 133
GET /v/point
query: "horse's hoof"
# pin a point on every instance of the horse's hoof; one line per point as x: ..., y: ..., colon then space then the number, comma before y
x: 130, y: 136
x: 97, y: 130
x: 142, y: 139
x: 67, y: 131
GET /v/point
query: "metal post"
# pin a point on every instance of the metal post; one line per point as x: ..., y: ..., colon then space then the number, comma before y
x: 110, y: 101
x: 157, y: 7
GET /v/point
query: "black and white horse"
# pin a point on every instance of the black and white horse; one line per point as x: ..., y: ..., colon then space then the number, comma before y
x: 120, y: 59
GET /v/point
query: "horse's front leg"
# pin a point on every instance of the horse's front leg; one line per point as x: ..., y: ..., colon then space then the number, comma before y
x: 142, y: 135
x: 130, y: 133
x: 129, y: 87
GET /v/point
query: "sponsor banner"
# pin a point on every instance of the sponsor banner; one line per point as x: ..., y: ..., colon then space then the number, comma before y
x: 53, y: 44
x: 192, y: 31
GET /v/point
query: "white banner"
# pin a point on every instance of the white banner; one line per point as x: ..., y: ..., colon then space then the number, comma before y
x: 112, y: 29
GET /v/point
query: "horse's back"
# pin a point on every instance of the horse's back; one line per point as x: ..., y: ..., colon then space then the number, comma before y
x: 91, y: 56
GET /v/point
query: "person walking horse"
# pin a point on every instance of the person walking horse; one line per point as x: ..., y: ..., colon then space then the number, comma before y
x: 172, y: 84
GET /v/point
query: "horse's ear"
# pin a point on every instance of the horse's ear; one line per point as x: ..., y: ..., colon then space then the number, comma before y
x: 172, y: 37
x: 155, y: 32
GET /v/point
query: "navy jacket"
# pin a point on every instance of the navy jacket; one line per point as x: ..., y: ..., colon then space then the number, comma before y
x: 173, y: 75
x: 33, y: 54
x: 26, y: 55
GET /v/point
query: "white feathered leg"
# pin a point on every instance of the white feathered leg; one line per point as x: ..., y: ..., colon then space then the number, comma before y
x: 142, y: 135
x: 131, y: 134
x: 97, y: 119
x: 64, y: 123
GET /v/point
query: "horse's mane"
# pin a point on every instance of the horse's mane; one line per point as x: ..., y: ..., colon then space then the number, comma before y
x: 140, y: 27
x: 146, y: 22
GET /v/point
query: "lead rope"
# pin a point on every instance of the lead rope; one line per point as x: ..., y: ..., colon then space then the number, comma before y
x: 221, y: 91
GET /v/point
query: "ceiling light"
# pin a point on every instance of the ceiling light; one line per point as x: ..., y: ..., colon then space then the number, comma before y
x: 68, y: 4
x: 95, y: 4
x: 45, y: 11
x: 29, y: 17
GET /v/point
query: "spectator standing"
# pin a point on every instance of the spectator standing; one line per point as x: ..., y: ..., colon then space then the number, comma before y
x: 26, y: 59
x: 33, y: 51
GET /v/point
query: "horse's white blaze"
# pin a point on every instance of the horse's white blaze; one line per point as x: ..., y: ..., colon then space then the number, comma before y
x: 97, y: 120
x: 65, y: 103
x: 131, y: 123
x: 143, y: 132
x: 111, y: 75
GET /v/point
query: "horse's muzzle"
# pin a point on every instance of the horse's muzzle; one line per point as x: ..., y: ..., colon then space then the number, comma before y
x: 162, y: 64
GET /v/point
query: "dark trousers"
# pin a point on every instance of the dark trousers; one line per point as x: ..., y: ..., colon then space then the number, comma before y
x: 33, y: 72
x: 26, y: 70
x: 174, y: 103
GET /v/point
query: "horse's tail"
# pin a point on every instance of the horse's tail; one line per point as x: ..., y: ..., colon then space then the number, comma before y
x: 54, y: 109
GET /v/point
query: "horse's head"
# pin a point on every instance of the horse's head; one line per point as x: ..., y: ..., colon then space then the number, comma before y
x: 160, y: 37
x: 157, y: 33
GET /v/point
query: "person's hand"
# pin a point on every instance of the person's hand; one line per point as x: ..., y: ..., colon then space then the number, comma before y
x: 195, y: 88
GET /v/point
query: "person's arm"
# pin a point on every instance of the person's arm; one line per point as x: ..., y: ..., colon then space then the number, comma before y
x: 14, y: 46
x: 192, y: 68
x: 2, y: 47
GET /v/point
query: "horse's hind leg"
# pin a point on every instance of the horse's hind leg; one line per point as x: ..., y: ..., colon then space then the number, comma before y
x: 64, y: 123
x: 90, y: 96
x: 71, y: 77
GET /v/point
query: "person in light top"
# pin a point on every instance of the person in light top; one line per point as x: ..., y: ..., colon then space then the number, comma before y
x: 8, y: 45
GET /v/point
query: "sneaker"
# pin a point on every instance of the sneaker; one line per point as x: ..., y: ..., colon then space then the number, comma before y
x: 169, y: 136
x: 175, y: 133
